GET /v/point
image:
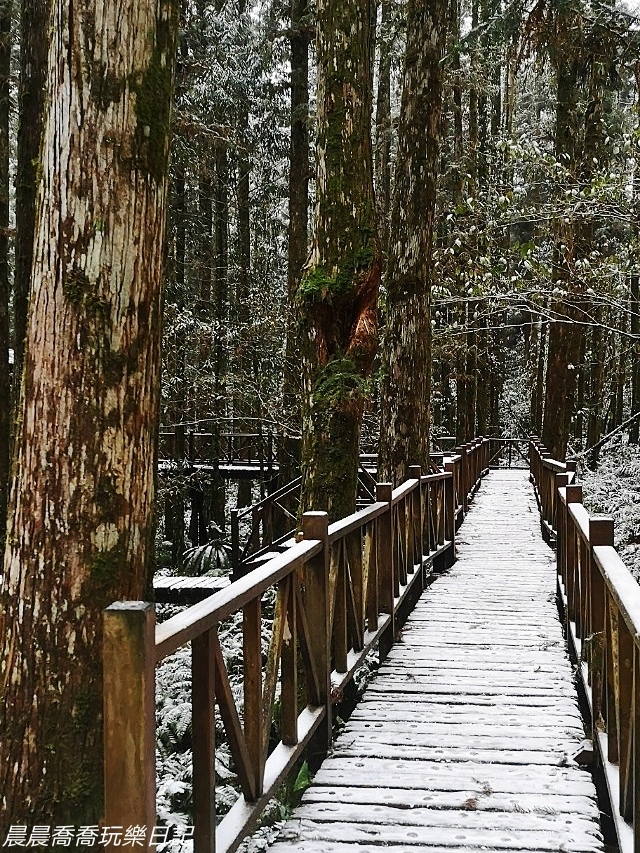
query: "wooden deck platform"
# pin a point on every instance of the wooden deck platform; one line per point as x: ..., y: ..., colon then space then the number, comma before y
x: 464, y: 739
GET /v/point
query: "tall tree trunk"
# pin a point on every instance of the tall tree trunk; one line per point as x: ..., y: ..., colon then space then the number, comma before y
x: 564, y: 336
x: 81, y: 514
x: 338, y: 293
x: 34, y: 47
x: 382, y: 164
x: 5, y: 378
x: 578, y: 432
x: 596, y: 380
x: 221, y: 273
x: 244, y: 405
x: 634, y: 327
x: 406, y: 385
x: 299, y: 173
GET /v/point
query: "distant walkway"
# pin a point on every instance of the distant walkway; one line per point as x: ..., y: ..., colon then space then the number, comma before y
x: 462, y: 742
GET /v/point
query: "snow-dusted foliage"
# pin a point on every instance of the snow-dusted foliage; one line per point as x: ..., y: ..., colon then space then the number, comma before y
x: 614, y: 488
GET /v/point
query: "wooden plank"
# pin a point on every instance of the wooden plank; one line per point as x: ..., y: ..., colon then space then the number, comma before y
x: 435, y: 819
x: 487, y: 837
x: 466, y: 735
x: 416, y: 774
x: 368, y: 749
x: 459, y: 714
x: 470, y: 798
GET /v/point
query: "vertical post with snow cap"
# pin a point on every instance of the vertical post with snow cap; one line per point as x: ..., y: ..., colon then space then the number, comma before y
x: 450, y: 511
x: 417, y: 546
x: 570, y: 553
x: 129, y: 715
x: 560, y: 481
x: 600, y: 533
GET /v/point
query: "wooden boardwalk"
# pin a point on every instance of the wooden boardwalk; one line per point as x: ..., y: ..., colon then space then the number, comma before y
x: 463, y: 740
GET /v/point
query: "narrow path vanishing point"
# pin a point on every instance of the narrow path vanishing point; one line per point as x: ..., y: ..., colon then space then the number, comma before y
x: 463, y: 740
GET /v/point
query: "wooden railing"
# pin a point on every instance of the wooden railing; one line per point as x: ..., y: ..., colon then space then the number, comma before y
x: 231, y: 443
x: 509, y: 453
x: 601, y: 605
x: 339, y: 592
x: 548, y: 475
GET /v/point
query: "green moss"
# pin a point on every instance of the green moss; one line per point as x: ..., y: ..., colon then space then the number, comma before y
x: 106, y: 87
x: 82, y: 794
x: 82, y: 293
x: 107, y: 566
x: 338, y: 385
x: 76, y: 287
x: 317, y: 284
x: 154, y: 91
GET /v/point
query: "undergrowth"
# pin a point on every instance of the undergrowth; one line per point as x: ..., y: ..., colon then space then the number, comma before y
x: 613, y: 488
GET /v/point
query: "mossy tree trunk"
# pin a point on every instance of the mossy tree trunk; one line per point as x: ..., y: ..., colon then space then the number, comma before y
x: 338, y: 292
x: 405, y: 392
x: 81, y: 511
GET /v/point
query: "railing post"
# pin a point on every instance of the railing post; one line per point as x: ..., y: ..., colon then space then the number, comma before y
x: 204, y: 742
x: 463, y: 481
x: 386, y: 569
x: 573, y: 496
x: 415, y: 473
x: 315, y: 525
x: 450, y: 512
x: 600, y: 533
x: 560, y: 481
x: 129, y: 715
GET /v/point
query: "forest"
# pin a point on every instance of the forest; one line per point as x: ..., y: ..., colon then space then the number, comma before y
x: 324, y: 241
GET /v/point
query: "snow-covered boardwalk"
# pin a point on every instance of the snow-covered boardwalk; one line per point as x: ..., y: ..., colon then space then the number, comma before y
x: 463, y: 740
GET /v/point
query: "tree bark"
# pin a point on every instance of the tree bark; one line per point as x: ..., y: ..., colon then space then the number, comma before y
x: 34, y: 47
x: 564, y: 333
x: 81, y: 514
x: 634, y: 326
x: 299, y: 173
x: 338, y: 292
x: 382, y: 164
x: 596, y: 380
x: 5, y: 377
x: 406, y: 385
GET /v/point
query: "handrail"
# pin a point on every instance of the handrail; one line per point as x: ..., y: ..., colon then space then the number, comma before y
x: 548, y: 475
x: 344, y: 588
x: 601, y: 606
